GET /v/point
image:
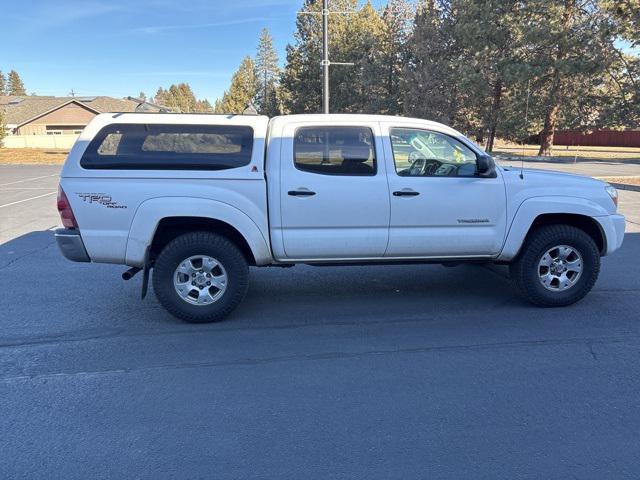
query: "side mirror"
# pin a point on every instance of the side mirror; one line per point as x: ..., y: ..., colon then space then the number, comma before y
x: 485, y: 167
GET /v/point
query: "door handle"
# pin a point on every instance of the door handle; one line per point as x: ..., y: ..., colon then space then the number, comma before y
x: 301, y: 193
x: 405, y: 193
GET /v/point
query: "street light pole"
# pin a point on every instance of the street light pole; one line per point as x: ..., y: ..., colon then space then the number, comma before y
x: 325, y: 56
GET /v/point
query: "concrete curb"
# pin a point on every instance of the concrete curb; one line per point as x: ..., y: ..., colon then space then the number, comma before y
x: 619, y: 185
x: 624, y: 186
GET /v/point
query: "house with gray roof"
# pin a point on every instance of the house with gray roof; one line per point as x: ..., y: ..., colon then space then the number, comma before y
x: 38, y: 115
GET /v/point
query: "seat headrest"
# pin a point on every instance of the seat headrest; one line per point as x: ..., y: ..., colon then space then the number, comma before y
x: 356, y: 153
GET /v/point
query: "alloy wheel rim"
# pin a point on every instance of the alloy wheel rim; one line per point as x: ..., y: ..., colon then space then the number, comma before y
x: 560, y: 268
x: 200, y: 280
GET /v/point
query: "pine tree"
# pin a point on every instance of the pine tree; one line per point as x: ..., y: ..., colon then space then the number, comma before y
x: 301, y: 82
x: 173, y: 99
x: 622, y: 107
x: 357, y: 88
x: 489, y: 34
x: 471, y: 63
x: 3, y: 84
x: 432, y: 85
x: 180, y: 98
x: 187, y: 98
x: 15, y: 85
x: 624, y: 110
x: 203, y: 106
x: 242, y: 91
x: 267, y: 72
x: 465, y: 56
x: 626, y: 14
x: 575, y: 44
x: 397, y: 17
x: 158, y: 98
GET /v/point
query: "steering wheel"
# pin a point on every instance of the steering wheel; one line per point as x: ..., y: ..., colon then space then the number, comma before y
x: 447, y: 170
x: 421, y: 166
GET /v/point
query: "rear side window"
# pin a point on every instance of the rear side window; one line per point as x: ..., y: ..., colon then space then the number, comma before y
x: 169, y: 147
x: 335, y: 150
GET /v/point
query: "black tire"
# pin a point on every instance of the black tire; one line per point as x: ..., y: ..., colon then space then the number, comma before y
x: 525, y: 269
x: 200, y: 243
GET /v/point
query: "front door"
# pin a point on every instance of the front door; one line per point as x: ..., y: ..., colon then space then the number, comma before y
x: 334, y: 196
x: 439, y: 206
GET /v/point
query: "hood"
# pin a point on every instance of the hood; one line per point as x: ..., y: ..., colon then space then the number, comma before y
x: 543, y: 183
x: 552, y: 176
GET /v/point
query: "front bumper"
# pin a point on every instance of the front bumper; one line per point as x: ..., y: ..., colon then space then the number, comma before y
x: 613, y: 227
x: 71, y: 245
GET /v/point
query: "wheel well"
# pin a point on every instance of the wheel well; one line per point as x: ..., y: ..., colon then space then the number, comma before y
x: 172, y: 227
x: 583, y: 222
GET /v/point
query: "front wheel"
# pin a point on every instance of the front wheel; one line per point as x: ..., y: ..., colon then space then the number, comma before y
x: 558, y: 265
x: 200, y: 277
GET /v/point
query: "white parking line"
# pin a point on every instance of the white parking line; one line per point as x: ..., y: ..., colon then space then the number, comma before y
x: 27, y: 199
x: 8, y: 189
x: 28, y: 180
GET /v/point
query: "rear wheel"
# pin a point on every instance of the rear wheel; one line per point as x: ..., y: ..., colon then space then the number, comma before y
x: 558, y: 265
x: 200, y: 277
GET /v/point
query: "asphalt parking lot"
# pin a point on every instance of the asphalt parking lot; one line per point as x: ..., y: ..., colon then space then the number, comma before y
x: 356, y: 372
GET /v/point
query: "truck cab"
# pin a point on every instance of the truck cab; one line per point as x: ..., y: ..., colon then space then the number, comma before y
x: 355, y: 187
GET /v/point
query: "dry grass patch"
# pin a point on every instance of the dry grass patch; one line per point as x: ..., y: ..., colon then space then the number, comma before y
x: 32, y: 156
x: 605, y: 153
x: 623, y: 180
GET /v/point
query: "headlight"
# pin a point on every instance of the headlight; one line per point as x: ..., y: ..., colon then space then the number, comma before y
x: 613, y: 193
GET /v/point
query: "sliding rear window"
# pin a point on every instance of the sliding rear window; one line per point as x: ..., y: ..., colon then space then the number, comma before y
x: 169, y: 147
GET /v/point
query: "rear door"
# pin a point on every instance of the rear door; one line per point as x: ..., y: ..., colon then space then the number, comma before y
x: 334, y: 198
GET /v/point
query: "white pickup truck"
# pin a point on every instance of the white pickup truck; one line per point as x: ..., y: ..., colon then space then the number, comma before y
x: 200, y: 198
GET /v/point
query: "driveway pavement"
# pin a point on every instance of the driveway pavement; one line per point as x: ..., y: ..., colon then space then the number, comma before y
x: 355, y: 372
x: 579, y: 166
x: 27, y: 199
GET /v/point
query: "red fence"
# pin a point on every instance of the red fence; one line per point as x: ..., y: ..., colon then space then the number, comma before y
x: 599, y: 138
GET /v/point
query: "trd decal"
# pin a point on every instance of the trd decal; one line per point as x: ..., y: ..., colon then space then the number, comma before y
x: 100, y: 199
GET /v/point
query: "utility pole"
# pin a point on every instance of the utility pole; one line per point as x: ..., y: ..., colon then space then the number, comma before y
x: 325, y: 56
x: 325, y: 51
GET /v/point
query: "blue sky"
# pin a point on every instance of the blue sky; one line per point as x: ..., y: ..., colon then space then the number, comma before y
x: 120, y: 47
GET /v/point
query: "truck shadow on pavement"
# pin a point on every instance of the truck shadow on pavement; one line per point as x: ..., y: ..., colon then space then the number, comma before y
x: 25, y: 245
x: 93, y: 297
